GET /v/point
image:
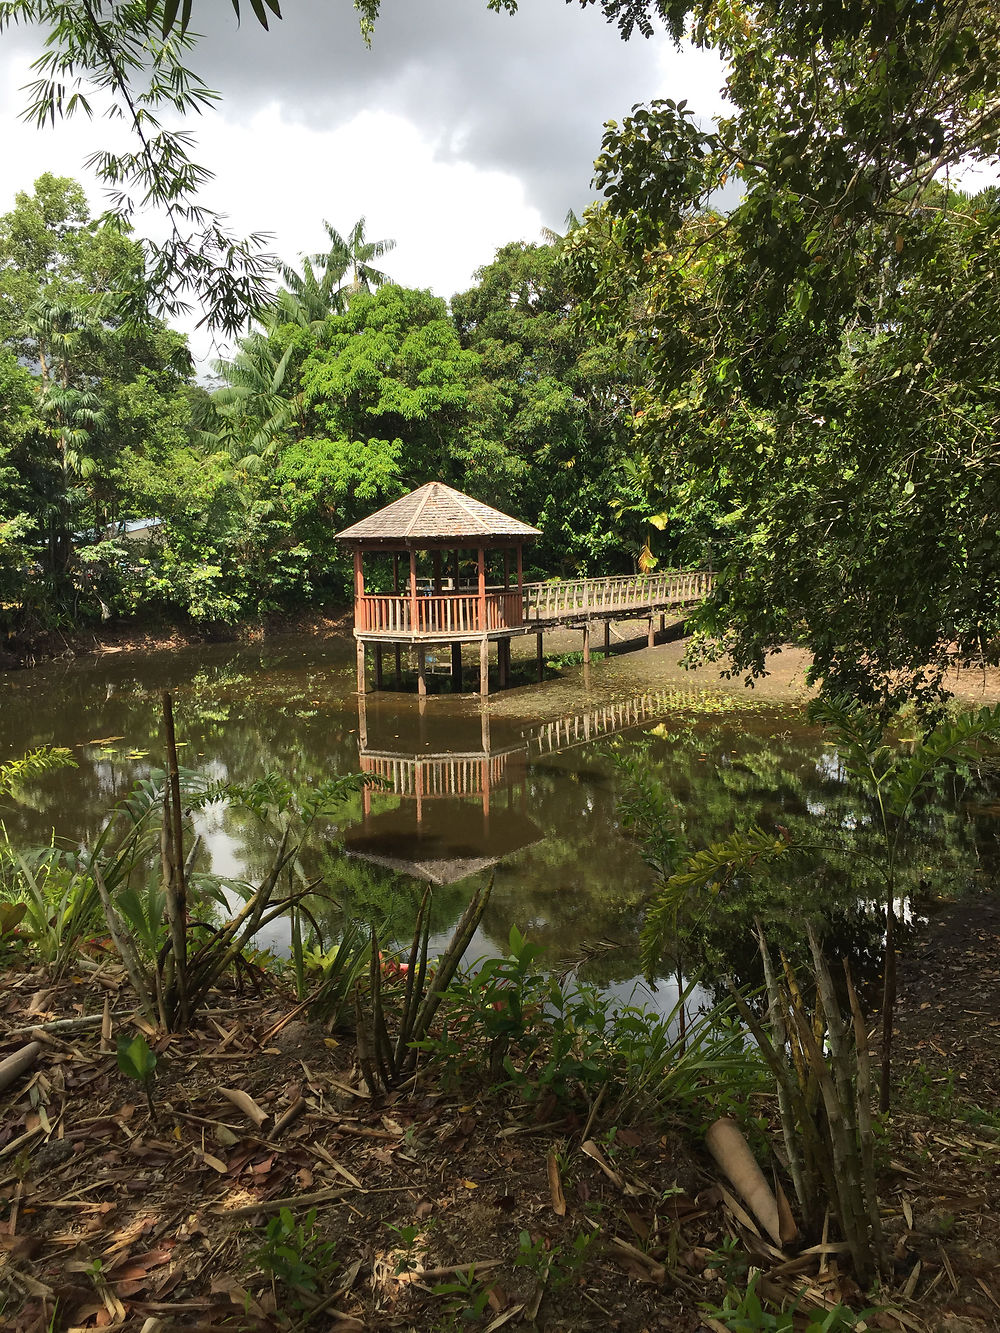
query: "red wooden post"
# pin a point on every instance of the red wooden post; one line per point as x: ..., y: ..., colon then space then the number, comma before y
x: 520, y: 584
x: 482, y: 589
x: 413, y: 592
x: 359, y: 591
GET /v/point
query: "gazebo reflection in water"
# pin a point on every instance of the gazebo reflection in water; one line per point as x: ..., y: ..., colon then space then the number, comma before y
x: 454, y: 799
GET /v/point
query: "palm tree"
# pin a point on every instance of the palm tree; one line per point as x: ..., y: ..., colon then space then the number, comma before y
x: 254, y: 406
x: 306, y: 298
x: 352, y: 254
x: 572, y: 223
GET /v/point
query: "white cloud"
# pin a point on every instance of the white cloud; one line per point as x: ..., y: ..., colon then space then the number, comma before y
x: 460, y: 131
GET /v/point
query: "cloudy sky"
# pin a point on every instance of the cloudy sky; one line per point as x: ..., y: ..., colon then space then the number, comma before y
x: 459, y: 130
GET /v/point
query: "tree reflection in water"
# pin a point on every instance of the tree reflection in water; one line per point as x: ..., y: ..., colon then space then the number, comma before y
x: 566, y: 872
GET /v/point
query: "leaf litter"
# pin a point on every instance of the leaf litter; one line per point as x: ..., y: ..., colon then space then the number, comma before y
x: 426, y: 1199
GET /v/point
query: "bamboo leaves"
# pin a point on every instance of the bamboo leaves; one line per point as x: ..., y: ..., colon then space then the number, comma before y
x: 711, y: 868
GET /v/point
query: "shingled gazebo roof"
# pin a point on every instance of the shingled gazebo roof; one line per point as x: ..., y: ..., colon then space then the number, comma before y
x: 437, y: 513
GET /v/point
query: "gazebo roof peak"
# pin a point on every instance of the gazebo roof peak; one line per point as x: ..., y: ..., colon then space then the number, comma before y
x: 436, y: 512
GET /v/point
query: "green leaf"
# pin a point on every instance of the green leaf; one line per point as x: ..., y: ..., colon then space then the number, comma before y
x: 135, y: 1059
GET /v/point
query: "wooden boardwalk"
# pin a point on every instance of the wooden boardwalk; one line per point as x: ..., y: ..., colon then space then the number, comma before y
x: 570, y: 601
x: 420, y: 619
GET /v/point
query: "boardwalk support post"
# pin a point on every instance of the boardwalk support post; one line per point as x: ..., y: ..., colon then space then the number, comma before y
x: 607, y: 638
x: 361, y: 666
x: 586, y: 643
x: 540, y: 656
x: 456, y: 667
x: 503, y: 662
x: 421, y: 671
x: 651, y: 639
x: 484, y: 666
x: 481, y: 603
x: 378, y: 666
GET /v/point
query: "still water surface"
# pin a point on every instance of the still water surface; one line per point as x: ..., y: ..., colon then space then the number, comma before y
x: 527, y: 788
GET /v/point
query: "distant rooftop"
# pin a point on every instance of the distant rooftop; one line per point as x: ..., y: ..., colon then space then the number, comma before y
x: 436, y: 512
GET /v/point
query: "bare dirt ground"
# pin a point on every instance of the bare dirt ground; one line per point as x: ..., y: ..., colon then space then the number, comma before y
x: 436, y: 1207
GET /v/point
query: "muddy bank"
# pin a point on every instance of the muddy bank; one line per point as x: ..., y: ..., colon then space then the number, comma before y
x: 145, y: 636
x: 660, y: 666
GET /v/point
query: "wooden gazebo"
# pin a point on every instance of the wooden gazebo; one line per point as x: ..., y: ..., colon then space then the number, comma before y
x: 444, y: 608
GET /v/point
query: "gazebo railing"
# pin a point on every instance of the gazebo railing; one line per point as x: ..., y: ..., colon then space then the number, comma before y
x: 445, y: 776
x: 457, y: 613
x: 566, y: 597
x: 438, y: 613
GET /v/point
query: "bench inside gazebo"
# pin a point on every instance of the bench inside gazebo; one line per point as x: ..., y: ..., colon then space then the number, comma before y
x: 452, y: 603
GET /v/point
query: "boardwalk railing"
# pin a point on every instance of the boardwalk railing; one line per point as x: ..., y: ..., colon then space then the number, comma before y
x: 446, y: 614
x: 455, y: 613
x: 568, y: 598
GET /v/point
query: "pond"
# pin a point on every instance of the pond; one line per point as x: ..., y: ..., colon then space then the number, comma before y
x: 527, y: 788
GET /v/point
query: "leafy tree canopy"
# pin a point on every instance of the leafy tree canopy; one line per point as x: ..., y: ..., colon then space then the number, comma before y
x: 824, y: 354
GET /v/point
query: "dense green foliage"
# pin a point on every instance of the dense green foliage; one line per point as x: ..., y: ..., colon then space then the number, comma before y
x: 129, y: 488
x: 799, y: 382
x: 821, y: 358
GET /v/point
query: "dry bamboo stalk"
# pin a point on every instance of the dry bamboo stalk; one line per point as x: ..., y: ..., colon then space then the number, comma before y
x: 212, y: 959
x: 446, y: 1270
x: 19, y: 1063
x: 795, y: 997
x: 364, y: 1043
x: 293, y: 1201
x: 774, y: 1063
x: 864, y: 1117
x: 106, y: 1025
x: 56, y: 1025
x: 176, y: 889
x: 854, y: 1184
x: 785, y: 1111
x: 411, y: 994
x: 835, y: 1122
x: 449, y: 961
x: 380, y: 1038
x: 288, y: 1117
